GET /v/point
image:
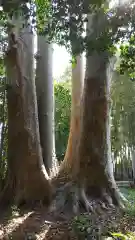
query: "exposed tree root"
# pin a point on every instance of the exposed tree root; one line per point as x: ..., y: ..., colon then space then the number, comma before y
x: 70, y: 200
x: 117, y: 197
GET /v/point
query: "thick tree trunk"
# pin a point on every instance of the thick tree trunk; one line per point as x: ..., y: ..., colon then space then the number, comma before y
x: 45, y: 100
x: 27, y: 178
x: 94, y: 172
x: 77, y: 89
x: 92, y: 183
x: 94, y: 144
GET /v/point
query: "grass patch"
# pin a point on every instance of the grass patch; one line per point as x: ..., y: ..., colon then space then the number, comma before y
x: 129, y: 194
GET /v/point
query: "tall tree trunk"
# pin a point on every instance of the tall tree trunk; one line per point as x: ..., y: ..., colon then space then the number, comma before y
x: 91, y: 179
x: 94, y: 150
x: 45, y: 100
x: 77, y: 89
x: 94, y: 145
x: 27, y: 178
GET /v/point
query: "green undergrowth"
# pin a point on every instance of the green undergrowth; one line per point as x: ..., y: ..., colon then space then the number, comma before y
x: 86, y: 226
x: 129, y: 194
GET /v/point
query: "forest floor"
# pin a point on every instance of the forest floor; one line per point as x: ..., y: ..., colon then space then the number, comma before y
x: 30, y: 225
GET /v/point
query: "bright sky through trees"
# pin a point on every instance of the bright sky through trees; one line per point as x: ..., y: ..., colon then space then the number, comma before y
x: 61, y: 59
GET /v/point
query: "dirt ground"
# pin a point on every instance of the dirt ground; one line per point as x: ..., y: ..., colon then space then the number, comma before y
x: 37, y: 224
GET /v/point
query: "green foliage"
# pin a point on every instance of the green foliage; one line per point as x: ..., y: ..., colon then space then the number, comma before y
x: 62, y: 93
x: 127, y: 48
x: 10, y: 6
x: 83, y: 226
x: 128, y: 58
x: 43, y: 14
x: 64, y: 22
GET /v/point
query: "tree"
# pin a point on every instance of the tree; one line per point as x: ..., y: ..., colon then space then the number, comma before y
x: 77, y: 89
x: 104, y: 31
x: 90, y: 172
x: 27, y: 180
x: 93, y: 148
x: 45, y: 99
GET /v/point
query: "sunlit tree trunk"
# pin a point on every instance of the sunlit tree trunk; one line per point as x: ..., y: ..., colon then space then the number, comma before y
x: 27, y: 178
x: 45, y: 100
x: 77, y: 89
x: 110, y: 73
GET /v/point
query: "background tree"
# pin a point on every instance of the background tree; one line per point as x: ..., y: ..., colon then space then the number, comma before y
x: 123, y: 108
x: 45, y: 99
x: 62, y: 93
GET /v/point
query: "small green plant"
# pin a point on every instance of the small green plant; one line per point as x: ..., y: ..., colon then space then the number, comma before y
x: 120, y: 236
x: 86, y: 227
x: 82, y: 226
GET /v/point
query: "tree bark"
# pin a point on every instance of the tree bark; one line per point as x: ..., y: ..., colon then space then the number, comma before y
x: 27, y: 178
x: 77, y: 89
x: 45, y: 100
x: 93, y: 148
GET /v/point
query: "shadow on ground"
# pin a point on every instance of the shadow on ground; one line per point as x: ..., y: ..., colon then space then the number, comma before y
x: 36, y: 224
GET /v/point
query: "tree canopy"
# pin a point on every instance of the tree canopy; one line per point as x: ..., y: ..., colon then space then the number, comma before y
x: 65, y: 22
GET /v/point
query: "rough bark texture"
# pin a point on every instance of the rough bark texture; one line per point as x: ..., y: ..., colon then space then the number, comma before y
x: 27, y: 178
x: 93, y: 149
x: 77, y: 89
x: 45, y: 100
